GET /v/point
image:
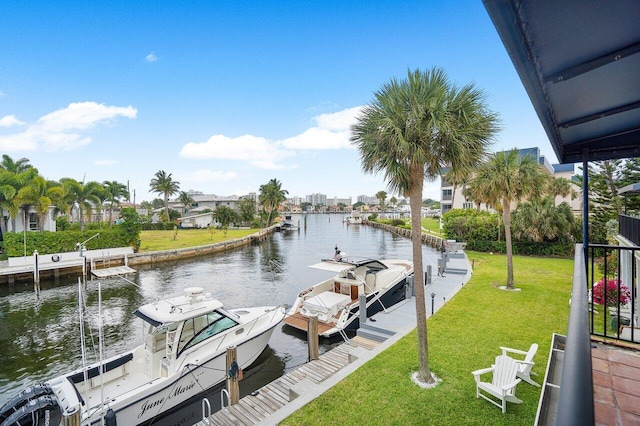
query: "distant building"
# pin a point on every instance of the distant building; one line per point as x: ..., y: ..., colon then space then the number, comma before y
x: 456, y: 200
x: 317, y: 199
x: 203, y: 202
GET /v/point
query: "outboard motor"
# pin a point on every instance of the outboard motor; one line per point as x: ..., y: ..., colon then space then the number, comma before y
x: 18, y: 401
x: 41, y: 411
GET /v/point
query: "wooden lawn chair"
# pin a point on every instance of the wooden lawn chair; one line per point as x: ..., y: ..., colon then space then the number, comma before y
x: 524, y: 366
x: 503, y: 383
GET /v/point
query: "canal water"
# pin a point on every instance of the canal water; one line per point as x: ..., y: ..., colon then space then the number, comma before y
x: 39, y: 336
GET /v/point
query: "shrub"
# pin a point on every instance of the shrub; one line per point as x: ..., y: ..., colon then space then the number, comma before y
x: 608, y: 294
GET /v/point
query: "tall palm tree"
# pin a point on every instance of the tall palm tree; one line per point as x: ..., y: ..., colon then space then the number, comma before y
x: 115, y: 193
x: 271, y: 195
x: 381, y: 196
x: 508, y: 177
x: 411, y: 130
x: 82, y: 196
x: 164, y: 184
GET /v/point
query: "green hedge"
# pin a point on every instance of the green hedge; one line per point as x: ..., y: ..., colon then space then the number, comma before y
x: 523, y: 248
x: 61, y: 241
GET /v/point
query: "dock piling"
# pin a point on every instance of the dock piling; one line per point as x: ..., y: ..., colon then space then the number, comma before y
x: 312, y: 337
x: 232, y: 375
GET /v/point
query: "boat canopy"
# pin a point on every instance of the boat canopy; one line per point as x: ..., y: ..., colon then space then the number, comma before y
x: 337, y: 266
x: 165, y: 312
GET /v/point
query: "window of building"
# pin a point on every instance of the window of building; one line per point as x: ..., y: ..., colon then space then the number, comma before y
x: 468, y: 205
x: 445, y: 207
x: 447, y: 194
x: 33, y: 222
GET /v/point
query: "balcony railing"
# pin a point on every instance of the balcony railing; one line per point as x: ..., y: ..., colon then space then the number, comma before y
x: 630, y: 228
x: 612, y: 292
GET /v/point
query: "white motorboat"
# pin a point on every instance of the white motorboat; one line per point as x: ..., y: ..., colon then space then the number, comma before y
x: 355, y: 218
x: 288, y: 224
x: 336, y: 301
x: 183, y: 354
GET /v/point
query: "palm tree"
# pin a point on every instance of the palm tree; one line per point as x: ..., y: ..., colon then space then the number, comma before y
x: 412, y: 129
x: 187, y: 200
x: 40, y: 194
x: 508, y: 177
x: 164, y: 184
x: 381, y: 196
x: 14, y: 166
x: 393, y: 201
x: 7, y: 192
x: 115, y: 192
x: 82, y: 196
x: 561, y: 187
x: 271, y: 195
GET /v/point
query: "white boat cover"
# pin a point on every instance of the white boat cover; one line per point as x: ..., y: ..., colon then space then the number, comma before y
x: 332, y: 266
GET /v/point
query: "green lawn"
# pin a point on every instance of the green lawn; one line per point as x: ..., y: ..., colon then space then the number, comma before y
x: 431, y: 225
x: 167, y: 240
x: 464, y: 335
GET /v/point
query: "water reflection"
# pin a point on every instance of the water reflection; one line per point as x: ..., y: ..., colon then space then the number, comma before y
x: 39, y: 337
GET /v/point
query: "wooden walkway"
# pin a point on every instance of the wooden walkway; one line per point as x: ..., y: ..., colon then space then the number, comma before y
x: 252, y: 410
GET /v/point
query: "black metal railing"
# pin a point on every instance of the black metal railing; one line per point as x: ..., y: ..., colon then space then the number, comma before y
x: 575, y: 396
x: 630, y: 228
x: 612, y: 285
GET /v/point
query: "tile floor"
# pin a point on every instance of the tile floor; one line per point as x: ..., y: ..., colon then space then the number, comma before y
x: 616, y: 385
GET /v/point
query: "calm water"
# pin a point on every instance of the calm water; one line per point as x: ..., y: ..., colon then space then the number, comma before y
x: 39, y: 337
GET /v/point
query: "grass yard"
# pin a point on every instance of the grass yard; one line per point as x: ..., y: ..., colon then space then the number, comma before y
x: 168, y: 240
x: 464, y: 335
x: 432, y: 225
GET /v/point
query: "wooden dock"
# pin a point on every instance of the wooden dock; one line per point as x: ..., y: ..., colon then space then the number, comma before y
x: 253, y: 410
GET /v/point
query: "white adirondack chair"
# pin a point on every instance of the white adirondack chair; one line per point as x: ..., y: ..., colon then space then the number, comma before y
x: 503, y: 383
x: 524, y: 366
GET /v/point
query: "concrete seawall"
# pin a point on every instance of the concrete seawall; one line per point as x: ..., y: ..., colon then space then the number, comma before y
x: 430, y: 240
x: 12, y: 275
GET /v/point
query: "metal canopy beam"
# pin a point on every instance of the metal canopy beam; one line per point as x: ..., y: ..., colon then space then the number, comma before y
x: 585, y: 67
x: 600, y: 114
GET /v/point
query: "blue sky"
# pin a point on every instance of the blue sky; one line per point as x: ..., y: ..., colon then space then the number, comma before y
x: 226, y: 95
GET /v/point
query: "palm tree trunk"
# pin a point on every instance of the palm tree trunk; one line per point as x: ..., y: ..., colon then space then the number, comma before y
x: 415, y: 201
x: 506, y: 211
x: 81, y: 218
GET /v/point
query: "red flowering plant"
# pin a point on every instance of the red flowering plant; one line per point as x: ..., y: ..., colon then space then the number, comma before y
x: 608, y: 294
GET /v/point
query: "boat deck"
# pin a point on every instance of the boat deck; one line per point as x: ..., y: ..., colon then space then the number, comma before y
x: 300, y: 322
x: 255, y: 409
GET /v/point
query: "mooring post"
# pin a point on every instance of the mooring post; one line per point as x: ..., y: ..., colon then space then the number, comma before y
x: 312, y: 337
x: 36, y: 272
x: 233, y: 371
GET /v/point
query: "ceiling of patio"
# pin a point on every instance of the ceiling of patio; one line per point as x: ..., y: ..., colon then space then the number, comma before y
x: 579, y: 61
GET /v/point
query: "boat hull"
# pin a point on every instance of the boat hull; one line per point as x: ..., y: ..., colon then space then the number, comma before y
x: 164, y: 395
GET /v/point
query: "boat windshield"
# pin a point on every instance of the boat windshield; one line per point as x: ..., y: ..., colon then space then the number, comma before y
x: 199, y: 329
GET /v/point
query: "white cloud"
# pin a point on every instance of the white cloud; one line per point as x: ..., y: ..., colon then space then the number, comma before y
x: 332, y: 132
x: 10, y: 120
x: 206, y: 175
x: 105, y: 162
x: 151, y: 57
x: 62, y: 130
x: 2, y: 94
x: 255, y: 150
x: 83, y: 116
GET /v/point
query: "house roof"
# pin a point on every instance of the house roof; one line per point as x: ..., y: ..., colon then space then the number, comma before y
x: 579, y: 62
